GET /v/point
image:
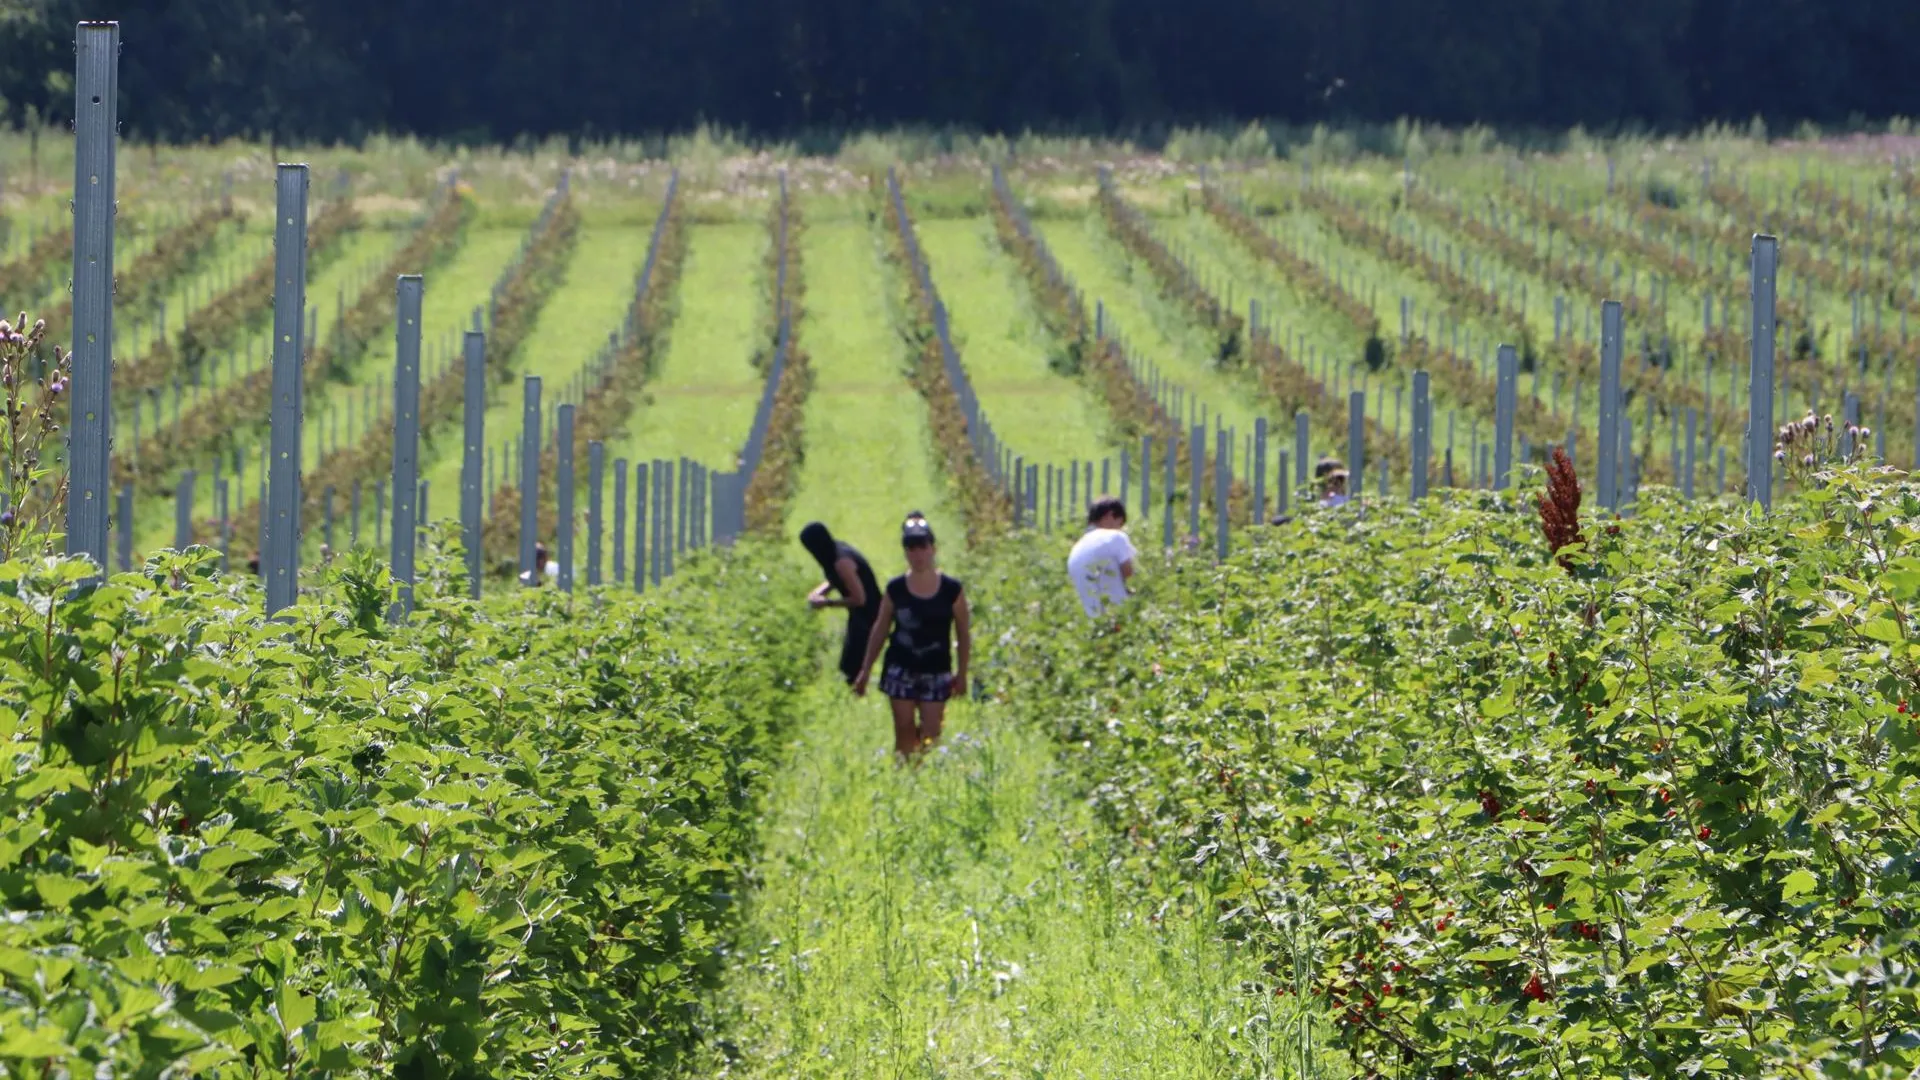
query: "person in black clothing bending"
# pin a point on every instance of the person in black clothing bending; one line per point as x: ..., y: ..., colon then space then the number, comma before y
x: 849, y: 575
x: 919, y: 612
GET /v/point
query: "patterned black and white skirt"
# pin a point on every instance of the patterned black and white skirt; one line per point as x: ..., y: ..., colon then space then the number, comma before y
x: 903, y: 685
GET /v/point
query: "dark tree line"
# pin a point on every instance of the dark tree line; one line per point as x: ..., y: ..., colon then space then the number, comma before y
x: 497, y: 69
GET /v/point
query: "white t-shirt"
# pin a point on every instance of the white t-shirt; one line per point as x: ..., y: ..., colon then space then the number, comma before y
x: 1094, y: 566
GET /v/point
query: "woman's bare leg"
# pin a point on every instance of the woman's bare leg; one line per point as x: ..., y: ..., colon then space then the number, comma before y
x: 906, y: 737
x: 932, y: 715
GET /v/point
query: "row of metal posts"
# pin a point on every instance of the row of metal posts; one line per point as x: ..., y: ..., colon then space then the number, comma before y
x: 693, y: 510
x: 1040, y: 496
x: 685, y: 496
x: 281, y: 527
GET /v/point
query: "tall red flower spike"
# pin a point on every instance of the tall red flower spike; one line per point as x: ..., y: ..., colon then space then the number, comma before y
x: 1559, y: 506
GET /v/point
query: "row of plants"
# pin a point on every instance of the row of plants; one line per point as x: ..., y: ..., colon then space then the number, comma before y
x: 1804, y: 351
x: 785, y: 448
x: 1664, y: 256
x: 1595, y: 233
x: 1582, y: 360
x: 1887, y: 283
x: 504, y: 839
x: 519, y: 294
x: 175, y: 253
x: 1817, y: 211
x: 1284, y: 378
x: 986, y: 507
x: 35, y: 266
x: 1459, y: 378
x: 1855, y: 274
x: 1130, y: 402
x: 1178, y: 280
x: 222, y: 419
x: 616, y: 381
x: 1356, y: 227
x: 1536, y: 795
x: 1577, y: 276
x: 1300, y: 273
x: 245, y: 306
x: 1578, y: 359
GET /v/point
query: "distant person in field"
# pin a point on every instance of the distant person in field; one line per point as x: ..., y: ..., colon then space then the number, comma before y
x: 543, y: 567
x: 923, y: 613
x: 1101, y: 562
x: 849, y: 574
x: 1333, y: 488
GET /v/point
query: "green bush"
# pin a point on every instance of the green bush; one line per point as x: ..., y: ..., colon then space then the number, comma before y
x: 1653, y: 814
x: 500, y: 840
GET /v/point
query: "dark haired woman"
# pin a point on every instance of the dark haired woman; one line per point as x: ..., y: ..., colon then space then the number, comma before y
x: 849, y: 575
x: 922, y: 614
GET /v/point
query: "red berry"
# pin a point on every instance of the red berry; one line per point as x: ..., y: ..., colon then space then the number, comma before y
x: 1706, y: 833
x: 1535, y: 989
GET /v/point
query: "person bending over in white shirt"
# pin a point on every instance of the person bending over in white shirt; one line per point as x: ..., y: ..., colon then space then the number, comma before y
x: 1101, y: 562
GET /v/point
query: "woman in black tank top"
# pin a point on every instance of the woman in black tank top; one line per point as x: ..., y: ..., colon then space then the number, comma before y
x: 926, y: 627
x: 849, y: 575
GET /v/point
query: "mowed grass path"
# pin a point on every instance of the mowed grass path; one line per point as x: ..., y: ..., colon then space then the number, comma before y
x: 1041, y: 415
x: 702, y: 396
x: 587, y: 305
x: 869, y: 455
x: 956, y: 919
x: 961, y: 919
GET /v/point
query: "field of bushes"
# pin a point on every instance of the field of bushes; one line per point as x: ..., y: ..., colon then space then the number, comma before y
x: 1489, y: 784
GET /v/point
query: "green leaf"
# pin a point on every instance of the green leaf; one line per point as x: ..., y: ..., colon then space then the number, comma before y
x: 296, y: 1009
x: 38, y: 1042
x: 1883, y: 629
x: 1797, y: 883
x: 59, y: 891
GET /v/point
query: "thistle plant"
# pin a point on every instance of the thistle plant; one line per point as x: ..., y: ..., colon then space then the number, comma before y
x: 31, y: 497
x: 1812, y: 443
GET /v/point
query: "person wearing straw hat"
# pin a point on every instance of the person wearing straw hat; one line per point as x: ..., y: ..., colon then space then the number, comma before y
x: 849, y: 574
x: 1333, y: 488
x: 923, y: 622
